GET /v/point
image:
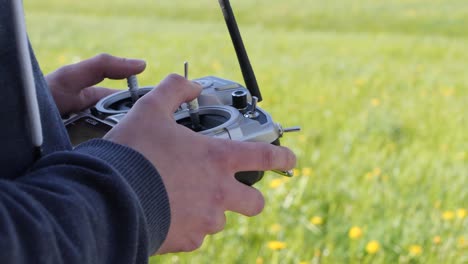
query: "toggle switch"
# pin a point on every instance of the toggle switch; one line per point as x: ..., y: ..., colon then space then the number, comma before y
x: 252, y: 114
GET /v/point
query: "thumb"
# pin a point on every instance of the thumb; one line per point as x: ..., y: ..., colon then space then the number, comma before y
x: 172, y: 92
x: 94, y: 70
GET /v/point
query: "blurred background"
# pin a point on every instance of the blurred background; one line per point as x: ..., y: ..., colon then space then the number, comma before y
x: 380, y: 89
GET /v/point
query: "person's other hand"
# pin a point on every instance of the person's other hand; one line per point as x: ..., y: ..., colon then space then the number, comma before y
x: 197, y: 170
x: 72, y: 85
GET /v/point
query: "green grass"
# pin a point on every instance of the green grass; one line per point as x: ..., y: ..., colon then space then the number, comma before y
x: 380, y: 89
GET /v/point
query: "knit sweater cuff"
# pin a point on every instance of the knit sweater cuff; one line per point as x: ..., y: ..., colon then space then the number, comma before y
x: 145, y: 181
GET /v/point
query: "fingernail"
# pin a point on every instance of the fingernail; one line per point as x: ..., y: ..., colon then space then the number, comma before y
x: 136, y: 62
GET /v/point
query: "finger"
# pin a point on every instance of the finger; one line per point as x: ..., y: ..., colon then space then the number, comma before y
x: 92, y: 71
x: 173, y: 91
x: 93, y: 94
x: 243, y: 199
x: 256, y: 156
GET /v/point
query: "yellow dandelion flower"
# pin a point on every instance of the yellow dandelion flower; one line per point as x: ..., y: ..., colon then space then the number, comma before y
x: 316, y: 220
x: 376, y: 171
x: 259, y: 260
x: 61, y: 59
x: 448, y: 215
x: 355, y: 232
x: 443, y: 147
x: 276, y: 245
x: 369, y: 176
x: 447, y: 91
x: 317, y: 253
x: 385, y: 178
x: 306, y: 171
x: 437, y: 240
x: 372, y: 247
x: 410, y: 13
x: 462, y: 213
x: 359, y: 82
x: 303, y: 262
x: 415, y: 250
x: 216, y: 66
x: 322, y: 99
x: 275, y: 183
x: 302, y: 138
x: 461, y: 155
x: 391, y: 146
x: 296, y: 172
x: 462, y: 242
x: 375, y: 102
x: 275, y: 228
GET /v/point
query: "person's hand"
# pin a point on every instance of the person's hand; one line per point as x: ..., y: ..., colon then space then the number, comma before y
x: 72, y: 85
x: 197, y: 170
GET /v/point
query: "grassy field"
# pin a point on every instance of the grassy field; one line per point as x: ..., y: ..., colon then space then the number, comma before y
x: 380, y: 89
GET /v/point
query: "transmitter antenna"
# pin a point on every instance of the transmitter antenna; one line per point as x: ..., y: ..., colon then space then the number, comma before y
x: 246, y: 68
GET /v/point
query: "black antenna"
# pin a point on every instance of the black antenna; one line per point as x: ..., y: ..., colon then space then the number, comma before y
x: 246, y: 67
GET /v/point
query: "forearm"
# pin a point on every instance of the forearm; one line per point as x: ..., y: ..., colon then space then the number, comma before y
x: 72, y: 205
x: 144, y: 181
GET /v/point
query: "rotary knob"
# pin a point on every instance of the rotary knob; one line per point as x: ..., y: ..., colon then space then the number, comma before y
x: 239, y: 100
